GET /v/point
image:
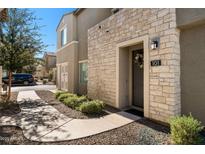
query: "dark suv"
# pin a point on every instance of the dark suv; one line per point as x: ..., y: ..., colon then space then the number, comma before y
x: 20, y: 79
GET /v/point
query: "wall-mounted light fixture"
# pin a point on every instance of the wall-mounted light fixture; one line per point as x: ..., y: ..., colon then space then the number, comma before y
x: 154, y: 43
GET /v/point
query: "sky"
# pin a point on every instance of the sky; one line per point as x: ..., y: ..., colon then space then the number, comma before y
x: 50, y: 17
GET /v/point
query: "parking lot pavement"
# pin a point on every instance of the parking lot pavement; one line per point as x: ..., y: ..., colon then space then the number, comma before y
x: 36, y: 87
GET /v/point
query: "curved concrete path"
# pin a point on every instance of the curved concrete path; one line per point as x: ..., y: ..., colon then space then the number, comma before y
x: 42, y: 122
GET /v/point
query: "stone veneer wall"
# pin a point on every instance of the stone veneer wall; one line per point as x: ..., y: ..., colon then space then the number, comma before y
x: 164, y: 84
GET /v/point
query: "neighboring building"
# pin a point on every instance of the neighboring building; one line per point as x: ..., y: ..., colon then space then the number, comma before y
x: 149, y: 59
x: 72, y: 48
x: 40, y: 71
x: 49, y: 64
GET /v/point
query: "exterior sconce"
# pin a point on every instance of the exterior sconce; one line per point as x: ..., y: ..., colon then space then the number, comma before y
x: 154, y: 44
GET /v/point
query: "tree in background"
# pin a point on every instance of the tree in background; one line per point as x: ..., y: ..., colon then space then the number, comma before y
x: 31, y: 68
x: 20, y: 41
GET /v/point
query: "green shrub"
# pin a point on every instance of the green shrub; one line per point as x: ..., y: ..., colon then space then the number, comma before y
x: 92, y: 107
x: 185, y: 130
x: 75, y: 101
x: 44, y: 81
x: 64, y: 96
x: 58, y: 93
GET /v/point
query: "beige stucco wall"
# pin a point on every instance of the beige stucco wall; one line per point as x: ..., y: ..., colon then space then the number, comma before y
x: 69, y: 54
x: 85, y: 20
x: 192, y: 42
x: 164, y: 81
x: 78, y: 26
x: 187, y: 17
x: 68, y: 21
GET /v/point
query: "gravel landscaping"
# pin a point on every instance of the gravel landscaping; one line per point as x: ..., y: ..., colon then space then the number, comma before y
x: 10, y: 108
x: 140, y: 132
x: 49, y: 97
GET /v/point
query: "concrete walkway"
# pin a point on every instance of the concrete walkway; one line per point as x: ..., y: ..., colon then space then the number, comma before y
x: 42, y: 122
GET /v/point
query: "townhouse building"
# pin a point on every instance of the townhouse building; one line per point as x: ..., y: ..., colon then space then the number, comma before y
x: 148, y: 59
x: 72, y: 50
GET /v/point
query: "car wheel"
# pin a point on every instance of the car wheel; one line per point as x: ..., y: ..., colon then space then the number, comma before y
x: 26, y: 83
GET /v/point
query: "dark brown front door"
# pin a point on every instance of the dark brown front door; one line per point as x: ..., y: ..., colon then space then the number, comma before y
x: 138, y: 82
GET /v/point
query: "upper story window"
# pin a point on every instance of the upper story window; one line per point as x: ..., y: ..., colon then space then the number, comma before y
x: 63, y: 36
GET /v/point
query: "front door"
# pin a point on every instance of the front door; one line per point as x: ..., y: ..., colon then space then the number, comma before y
x: 138, y: 82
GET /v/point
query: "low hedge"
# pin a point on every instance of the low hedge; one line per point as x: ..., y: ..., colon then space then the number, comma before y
x: 92, y: 107
x: 58, y: 93
x: 64, y: 96
x: 74, y: 101
x: 80, y: 103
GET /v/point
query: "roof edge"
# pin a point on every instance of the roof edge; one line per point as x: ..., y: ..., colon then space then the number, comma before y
x: 64, y: 16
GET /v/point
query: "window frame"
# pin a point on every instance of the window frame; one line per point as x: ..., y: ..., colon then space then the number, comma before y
x: 81, y: 63
x: 63, y: 35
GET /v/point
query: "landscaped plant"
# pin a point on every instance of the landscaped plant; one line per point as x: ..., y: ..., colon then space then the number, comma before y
x: 185, y: 130
x: 92, y: 107
x: 64, y: 96
x: 44, y: 81
x: 75, y: 101
x: 58, y: 93
x: 20, y: 41
x: 80, y: 103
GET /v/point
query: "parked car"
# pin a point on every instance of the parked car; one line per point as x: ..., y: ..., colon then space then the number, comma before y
x: 20, y: 79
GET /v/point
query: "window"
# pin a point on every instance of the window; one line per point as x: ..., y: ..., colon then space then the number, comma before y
x: 63, y: 36
x: 83, y: 73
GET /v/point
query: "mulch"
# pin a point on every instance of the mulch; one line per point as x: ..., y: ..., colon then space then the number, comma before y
x: 11, y: 107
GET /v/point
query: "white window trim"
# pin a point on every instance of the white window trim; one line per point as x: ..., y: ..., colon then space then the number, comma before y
x: 63, y: 27
x: 83, y: 61
x: 68, y: 44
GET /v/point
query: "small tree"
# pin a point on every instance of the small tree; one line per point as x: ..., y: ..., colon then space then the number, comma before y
x: 20, y: 41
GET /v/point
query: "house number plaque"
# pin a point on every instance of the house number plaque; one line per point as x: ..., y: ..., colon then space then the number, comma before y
x: 156, y: 63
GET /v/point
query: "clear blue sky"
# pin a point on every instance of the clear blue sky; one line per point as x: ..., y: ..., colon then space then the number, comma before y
x: 50, y: 18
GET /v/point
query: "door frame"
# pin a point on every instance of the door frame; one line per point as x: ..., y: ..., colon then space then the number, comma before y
x: 119, y: 98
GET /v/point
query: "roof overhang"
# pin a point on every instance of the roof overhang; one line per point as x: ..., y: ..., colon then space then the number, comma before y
x: 75, y: 12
